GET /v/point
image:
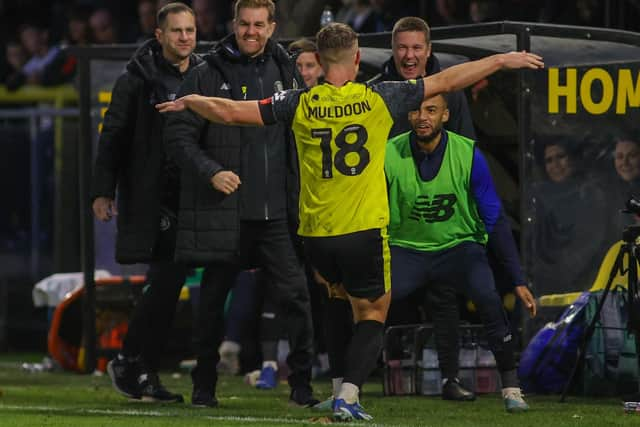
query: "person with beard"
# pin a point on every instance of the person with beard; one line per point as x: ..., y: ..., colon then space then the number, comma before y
x: 131, y: 159
x: 443, y: 205
x: 413, y: 58
x: 238, y: 206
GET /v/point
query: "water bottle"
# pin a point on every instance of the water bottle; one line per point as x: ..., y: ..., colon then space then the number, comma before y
x: 326, y: 18
x: 486, y: 372
x: 431, y: 376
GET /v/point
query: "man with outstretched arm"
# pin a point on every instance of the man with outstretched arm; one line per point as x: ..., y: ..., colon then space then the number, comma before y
x: 341, y: 129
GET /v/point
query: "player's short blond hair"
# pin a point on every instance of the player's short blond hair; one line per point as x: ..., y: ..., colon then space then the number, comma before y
x: 337, y: 43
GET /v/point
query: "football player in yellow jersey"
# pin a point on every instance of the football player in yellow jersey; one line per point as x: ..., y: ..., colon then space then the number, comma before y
x: 341, y: 131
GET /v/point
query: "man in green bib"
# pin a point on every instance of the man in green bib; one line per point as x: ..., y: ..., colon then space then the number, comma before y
x: 442, y: 205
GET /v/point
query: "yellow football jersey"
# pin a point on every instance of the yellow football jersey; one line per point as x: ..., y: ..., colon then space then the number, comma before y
x: 341, y: 134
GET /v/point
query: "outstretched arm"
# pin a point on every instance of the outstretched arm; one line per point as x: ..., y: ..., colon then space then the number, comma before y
x: 462, y: 75
x: 217, y: 110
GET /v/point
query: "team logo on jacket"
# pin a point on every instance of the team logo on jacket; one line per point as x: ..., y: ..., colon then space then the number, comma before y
x: 278, y: 86
x: 438, y: 208
x: 165, y: 223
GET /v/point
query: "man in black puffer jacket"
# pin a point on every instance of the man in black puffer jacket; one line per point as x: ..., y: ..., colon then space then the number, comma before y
x: 131, y: 158
x: 238, y: 205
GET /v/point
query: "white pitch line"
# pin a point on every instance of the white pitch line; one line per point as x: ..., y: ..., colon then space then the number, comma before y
x: 131, y: 412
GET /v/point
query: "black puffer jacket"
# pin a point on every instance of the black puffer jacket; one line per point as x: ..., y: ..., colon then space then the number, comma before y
x: 264, y: 158
x: 460, y: 120
x: 131, y: 156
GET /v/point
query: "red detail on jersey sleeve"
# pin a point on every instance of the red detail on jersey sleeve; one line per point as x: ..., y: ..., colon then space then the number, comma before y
x: 266, y: 101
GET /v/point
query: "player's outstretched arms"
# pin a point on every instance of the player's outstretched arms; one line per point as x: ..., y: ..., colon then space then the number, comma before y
x: 462, y: 75
x: 218, y: 110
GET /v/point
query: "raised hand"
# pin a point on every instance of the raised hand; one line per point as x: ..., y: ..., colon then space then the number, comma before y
x: 524, y: 59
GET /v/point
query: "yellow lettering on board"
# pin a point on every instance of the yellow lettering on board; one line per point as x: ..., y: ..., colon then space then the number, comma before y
x: 568, y: 90
x: 628, y: 94
x: 587, y: 81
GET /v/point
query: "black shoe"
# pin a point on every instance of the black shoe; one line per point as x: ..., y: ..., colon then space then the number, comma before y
x: 152, y: 389
x: 453, y: 390
x: 124, y: 377
x: 302, y: 397
x: 203, y: 399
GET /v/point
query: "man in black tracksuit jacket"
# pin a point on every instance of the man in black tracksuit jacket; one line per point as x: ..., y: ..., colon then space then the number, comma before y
x: 238, y: 205
x: 131, y: 158
x: 460, y: 120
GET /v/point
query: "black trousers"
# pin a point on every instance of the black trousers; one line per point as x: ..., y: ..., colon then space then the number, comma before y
x: 153, y: 314
x: 463, y: 269
x: 266, y: 244
x: 151, y: 320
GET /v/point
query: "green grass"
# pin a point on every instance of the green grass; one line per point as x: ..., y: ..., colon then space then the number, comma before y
x: 67, y: 399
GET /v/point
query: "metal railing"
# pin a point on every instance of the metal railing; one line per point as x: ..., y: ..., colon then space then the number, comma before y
x: 50, y: 104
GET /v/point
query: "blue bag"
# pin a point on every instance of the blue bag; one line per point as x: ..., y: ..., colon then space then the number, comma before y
x: 547, y: 361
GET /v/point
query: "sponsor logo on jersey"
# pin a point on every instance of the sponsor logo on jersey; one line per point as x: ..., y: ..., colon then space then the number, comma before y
x: 438, y: 208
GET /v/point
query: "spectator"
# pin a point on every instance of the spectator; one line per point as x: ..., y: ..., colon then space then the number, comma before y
x: 569, y: 236
x: 209, y: 26
x: 484, y: 11
x: 35, y: 39
x: 624, y: 183
x: 364, y: 18
x: 346, y: 12
x: 47, y: 65
x: 146, y: 19
x: 101, y: 23
x: 16, y: 57
x: 450, y: 12
x: 78, y: 31
x: 304, y: 50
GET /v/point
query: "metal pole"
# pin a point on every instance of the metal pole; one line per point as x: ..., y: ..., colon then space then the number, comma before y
x: 34, y: 171
x: 86, y: 218
x: 607, y: 13
x: 523, y: 41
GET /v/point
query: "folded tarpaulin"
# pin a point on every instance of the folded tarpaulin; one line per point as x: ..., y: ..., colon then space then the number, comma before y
x: 53, y: 289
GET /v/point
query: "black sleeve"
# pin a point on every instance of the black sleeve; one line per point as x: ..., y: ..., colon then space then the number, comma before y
x: 183, y: 130
x: 503, y: 247
x: 116, y: 136
x: 281, y: 107
x: 401, y: 97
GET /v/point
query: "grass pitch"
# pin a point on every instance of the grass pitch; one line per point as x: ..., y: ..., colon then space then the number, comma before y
x: 67, y: 399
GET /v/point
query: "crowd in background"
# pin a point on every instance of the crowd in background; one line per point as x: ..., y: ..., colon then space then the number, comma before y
x: 35, y: 31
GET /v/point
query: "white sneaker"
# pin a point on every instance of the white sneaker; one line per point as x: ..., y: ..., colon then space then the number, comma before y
x: 513, y: 400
